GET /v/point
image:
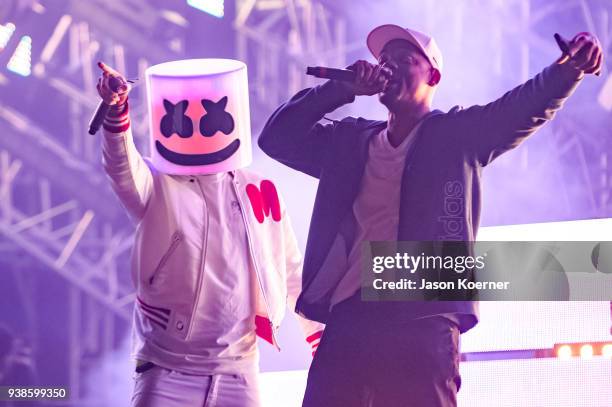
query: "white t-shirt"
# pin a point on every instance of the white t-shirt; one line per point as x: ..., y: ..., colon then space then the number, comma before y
x: 376, y: 208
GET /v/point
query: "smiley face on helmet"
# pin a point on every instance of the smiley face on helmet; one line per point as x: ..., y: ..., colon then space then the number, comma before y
x: 199, y: 116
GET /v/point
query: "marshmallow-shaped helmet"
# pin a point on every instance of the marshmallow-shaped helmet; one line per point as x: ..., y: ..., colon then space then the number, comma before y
x: 199, y: 120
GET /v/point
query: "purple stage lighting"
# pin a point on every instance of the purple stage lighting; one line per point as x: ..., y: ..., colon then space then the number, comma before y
x: 212, y: 7
x: 20, y: 62
x: 6, y: 32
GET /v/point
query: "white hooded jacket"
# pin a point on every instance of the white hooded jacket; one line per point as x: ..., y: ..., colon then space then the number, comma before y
x: 171, y: 237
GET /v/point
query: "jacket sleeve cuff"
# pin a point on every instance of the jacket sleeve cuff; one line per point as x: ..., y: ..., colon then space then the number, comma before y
x: 564, y: 78
x: 331, y: 95
x: 568, y: 72
x: 117, y: 119
x: 313, y: 340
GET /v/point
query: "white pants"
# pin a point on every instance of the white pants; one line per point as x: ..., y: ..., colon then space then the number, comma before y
x: 159, y: 387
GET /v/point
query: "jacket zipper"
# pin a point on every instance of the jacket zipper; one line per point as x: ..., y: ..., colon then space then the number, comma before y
x: 263, y: 294
x: 176, y: 238
x: 202, y: 264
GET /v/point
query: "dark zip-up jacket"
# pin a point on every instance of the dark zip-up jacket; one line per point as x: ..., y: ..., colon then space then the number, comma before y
x: 441, y: 183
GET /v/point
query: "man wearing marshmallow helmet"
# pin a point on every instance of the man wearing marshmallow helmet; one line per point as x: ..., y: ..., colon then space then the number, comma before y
x: 215, y: 260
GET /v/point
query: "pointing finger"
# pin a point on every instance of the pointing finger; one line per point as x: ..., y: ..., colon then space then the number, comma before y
x: 108, y: 70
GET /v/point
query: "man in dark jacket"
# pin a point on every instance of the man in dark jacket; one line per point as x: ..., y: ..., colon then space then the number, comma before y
x: 415, y: 177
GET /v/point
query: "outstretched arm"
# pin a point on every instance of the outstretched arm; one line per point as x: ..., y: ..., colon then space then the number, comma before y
x: 499, y: 126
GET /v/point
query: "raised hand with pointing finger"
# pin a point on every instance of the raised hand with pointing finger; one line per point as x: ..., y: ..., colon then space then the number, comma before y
x: 112, y: 86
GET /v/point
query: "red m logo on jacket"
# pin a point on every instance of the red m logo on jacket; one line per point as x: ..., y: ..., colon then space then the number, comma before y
x: 264, y: 201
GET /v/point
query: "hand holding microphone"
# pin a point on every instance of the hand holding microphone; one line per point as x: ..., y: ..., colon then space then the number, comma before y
x: 583, y: 53
x: 361, y: 78
x: 113, y: 88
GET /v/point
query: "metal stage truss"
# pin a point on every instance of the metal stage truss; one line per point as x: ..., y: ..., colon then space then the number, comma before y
x: 56, y: 206
x: 279, y: 38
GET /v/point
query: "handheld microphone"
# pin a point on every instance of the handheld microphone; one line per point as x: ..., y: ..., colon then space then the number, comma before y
x: 98, y: 117
x: 340, y: 74
x: 331, y: 73
x: 564, y: 46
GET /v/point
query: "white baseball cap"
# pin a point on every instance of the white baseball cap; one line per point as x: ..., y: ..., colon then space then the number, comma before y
x: 381, y: 35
